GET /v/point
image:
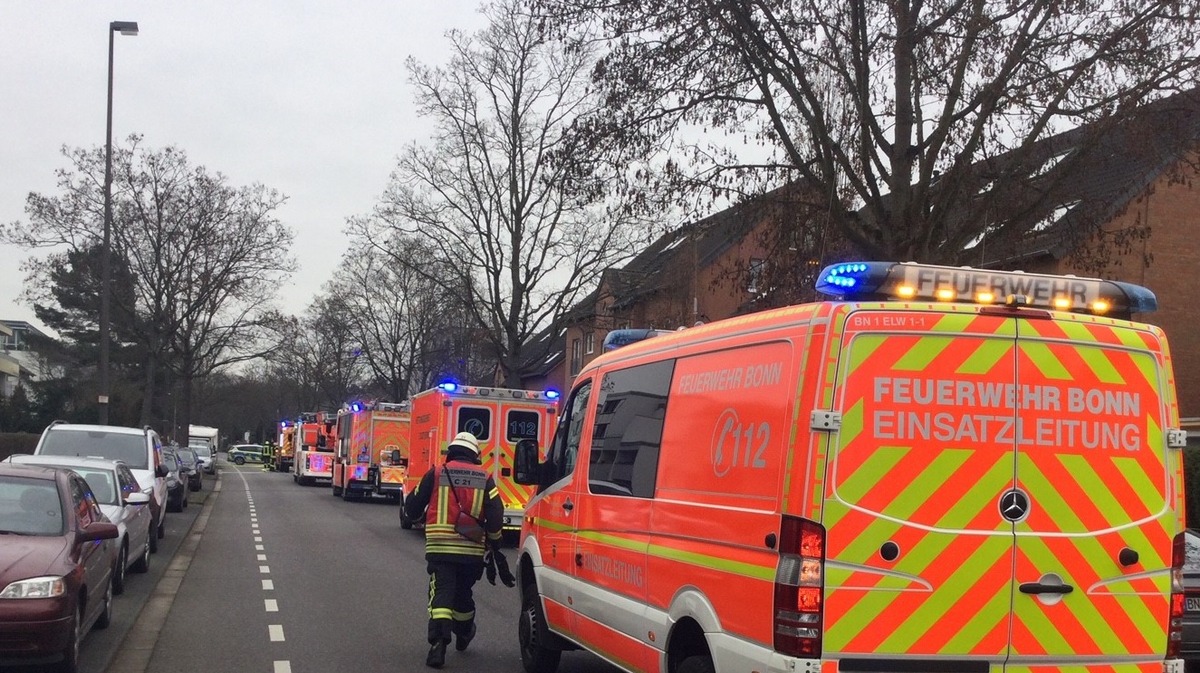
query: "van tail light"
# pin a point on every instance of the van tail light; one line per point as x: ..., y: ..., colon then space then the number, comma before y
x: 799, y: 588
x: 1175, y: 629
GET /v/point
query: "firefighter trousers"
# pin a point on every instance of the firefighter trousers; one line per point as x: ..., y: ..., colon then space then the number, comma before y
x: 451, y: 599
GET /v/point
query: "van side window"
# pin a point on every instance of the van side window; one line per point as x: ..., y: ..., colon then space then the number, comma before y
x: 570, y: 430
x: 629, y: 427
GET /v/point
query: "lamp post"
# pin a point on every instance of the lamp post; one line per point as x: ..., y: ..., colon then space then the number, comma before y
x: 125, y: 28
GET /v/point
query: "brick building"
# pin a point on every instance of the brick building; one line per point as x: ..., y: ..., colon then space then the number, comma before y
x: 1117, y: 202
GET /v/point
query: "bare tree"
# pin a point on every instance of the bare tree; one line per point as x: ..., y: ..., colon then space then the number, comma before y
x: 505, y: 194
x: 891, y: 115
x: 202, y: 258
x: 407, y: 325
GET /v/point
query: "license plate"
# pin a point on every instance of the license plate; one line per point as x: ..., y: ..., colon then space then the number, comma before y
x: 1193, y: 604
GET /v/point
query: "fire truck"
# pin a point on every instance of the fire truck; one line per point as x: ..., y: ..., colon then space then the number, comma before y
x: 316, y: 437
x: 498, y: 417
x: 285, y: 446
x: 371, y: 456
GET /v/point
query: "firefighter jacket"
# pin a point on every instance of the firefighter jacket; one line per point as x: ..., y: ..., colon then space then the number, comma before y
x: 478, y: 496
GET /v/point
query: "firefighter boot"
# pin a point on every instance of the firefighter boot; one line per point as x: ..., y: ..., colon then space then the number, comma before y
x: 463, y: 639
x: 437, y: 655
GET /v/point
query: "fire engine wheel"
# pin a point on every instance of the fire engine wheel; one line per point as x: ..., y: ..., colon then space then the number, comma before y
x: 534, y: 635
x: 337, y: 490
x: 696, y: 664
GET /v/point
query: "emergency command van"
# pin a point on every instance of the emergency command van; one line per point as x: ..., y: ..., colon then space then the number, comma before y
x: 939, y: 470
x: 498, y: 417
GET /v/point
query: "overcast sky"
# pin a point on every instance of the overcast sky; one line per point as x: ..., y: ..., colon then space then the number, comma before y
x: 307, y: 97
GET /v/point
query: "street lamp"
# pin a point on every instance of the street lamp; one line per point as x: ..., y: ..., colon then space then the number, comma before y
x: 125, y: 28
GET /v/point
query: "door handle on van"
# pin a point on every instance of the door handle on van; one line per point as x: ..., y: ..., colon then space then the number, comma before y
x: 1039, y: 588
x: 568, y: 505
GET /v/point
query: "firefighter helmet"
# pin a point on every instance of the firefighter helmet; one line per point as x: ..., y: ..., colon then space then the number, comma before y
x: 465, y: 440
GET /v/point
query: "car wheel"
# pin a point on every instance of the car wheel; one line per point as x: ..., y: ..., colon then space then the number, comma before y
x: 162, y: 529
x: 699, y: 663
x: 105, y: 617
x: 238, y: 460
x: 534, y: 636
x: 143, y: 563
x: 70, y: 654
x: 155, y: 529
x: 118, y: 578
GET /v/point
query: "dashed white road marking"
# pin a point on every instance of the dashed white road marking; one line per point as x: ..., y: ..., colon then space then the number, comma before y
x: 268, y: 585
x: 259, y: 547
x: 257, y: 538
x: 283, y: 667
x: 262, y: 557
x: 271, y: 605
x: 265, y: 570
x: 276, y: 631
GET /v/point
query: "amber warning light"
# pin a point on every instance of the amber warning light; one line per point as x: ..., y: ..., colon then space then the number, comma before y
x: 912, y: 282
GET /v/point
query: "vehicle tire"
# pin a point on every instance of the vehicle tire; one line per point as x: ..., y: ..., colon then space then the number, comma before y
x: 162, y: 529
x: 155, y: 529
x: 183, y: 499
x: 337, y: 490
x: 173, y: 504
x: 697, y: 663
x: 118, y: 577
x: 534, y: 636
x: 143, y: 563
x: 105, y: 618
x: 70, y: 660
x: 238, y: 460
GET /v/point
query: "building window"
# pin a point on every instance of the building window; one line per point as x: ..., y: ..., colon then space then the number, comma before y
x: 589, y: 343
x: 755, y: 272
x: 576, y: 356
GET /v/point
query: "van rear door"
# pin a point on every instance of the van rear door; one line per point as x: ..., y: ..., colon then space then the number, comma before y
x: 1093, y: 548
x: 989, y: 474
x: 919, y: 558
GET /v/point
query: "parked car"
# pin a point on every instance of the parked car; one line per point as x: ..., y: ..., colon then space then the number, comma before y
x: 192, y: 467
x: 176, y: 481
x: 206, y: 457
x: 122, y: 501
x: 56, y: 565
x: 240, y: 454
x: 139, y: 448
x: 1189, y: 648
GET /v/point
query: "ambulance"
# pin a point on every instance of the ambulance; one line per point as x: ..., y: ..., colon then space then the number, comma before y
x: 498, y: 417
x: 372, y: 451
x: 285, y: 446
x: 937, y: 470
x: 316, y: 436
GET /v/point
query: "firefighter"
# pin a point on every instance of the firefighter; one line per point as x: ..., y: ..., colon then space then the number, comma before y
x: 268, y: 456
x: 462, y: 523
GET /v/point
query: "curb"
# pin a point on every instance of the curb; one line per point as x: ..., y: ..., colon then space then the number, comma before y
x: 135, y: 651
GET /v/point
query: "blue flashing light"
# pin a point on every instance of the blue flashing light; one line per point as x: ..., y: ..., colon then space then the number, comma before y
x: 448, y: 386
x: 552, y: 394
x: 283, y: 424
x: 356, y: 407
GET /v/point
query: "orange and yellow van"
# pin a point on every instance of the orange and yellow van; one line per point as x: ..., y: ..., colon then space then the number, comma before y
x: 938, y: 470
x: 498, y: 417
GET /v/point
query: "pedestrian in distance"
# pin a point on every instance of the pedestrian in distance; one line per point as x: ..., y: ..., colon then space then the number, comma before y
x: 463, y: 516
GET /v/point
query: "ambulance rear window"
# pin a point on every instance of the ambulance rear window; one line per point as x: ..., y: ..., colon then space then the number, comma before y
x: 475, y: 420
x: 521, y: 425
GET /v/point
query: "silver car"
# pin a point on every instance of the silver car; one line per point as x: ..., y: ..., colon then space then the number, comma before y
x: 206, y: 458
x: 120, y: 498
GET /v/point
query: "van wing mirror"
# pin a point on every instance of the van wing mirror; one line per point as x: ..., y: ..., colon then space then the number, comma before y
x: 526, y: 468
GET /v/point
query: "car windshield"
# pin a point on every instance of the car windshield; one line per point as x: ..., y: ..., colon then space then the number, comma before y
x: 30, y: 507
x: 187, y: 458
x: 202, y: 451
x: 97, y: 443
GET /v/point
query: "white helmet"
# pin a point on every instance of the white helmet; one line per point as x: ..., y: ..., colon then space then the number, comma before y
x: 465, y: 440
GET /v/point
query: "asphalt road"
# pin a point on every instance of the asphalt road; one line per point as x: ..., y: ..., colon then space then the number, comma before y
x: 260, y: 575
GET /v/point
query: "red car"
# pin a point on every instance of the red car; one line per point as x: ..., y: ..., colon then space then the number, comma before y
x: 56, y: 565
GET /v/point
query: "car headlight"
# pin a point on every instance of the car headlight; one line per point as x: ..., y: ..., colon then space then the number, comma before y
x: 35, y: 587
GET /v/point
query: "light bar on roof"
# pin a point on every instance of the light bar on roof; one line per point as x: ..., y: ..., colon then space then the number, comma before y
x: 928, y: 282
